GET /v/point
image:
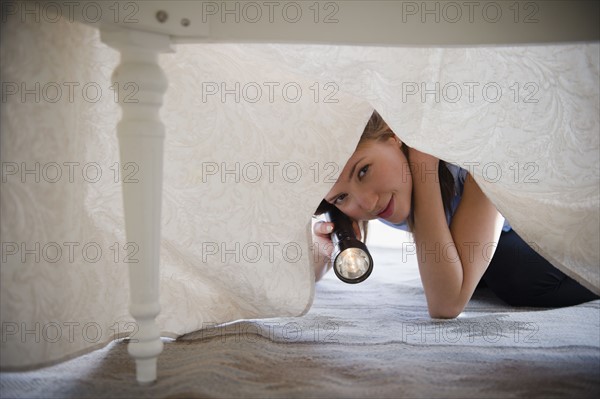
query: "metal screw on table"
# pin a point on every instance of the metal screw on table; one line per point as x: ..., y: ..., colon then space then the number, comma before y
x: 162, y: 16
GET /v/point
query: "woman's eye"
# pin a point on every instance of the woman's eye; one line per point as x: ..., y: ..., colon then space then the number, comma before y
x: 339, y: 199
x: 363, y: 171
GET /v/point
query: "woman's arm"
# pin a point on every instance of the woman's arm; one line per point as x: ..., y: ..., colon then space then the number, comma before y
x: 451, y: 259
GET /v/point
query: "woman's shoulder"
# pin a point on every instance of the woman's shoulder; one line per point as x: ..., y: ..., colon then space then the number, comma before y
x: 460, y: 175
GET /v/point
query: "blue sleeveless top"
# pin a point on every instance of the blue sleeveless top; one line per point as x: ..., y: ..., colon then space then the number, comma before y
x: 459, y: 175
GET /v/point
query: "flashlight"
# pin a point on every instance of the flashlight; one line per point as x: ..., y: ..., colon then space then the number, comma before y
x: 351, y: 260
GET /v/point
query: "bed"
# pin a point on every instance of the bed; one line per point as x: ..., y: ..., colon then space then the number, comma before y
x: 264, y: 102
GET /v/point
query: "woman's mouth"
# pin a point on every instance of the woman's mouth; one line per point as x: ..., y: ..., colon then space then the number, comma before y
x: 389, y: 209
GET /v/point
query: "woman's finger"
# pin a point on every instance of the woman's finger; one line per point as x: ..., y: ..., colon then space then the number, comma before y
x: 323, y: 228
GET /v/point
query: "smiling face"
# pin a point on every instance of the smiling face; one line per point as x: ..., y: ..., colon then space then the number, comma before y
x: 375, y: 183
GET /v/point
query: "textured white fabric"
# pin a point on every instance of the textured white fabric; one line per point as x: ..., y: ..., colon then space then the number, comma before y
x: 242, y: 175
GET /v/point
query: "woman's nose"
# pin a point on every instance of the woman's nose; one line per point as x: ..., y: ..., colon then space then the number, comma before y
x: 367, y: 201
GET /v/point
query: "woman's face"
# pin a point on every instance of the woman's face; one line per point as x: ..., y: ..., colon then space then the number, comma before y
x: 375, y: 183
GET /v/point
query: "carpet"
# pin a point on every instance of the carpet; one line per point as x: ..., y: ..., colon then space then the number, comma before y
x: 374, y: 339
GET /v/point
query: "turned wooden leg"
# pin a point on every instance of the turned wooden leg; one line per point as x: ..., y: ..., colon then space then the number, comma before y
x: 141, y: 84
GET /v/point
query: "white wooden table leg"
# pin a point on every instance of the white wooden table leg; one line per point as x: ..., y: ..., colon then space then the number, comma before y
x: 141, y: 86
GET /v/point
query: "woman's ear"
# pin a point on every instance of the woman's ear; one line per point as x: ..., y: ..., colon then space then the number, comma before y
x: 398, y: 141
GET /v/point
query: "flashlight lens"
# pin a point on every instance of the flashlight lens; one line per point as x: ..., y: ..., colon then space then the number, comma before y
x: 352, y: 263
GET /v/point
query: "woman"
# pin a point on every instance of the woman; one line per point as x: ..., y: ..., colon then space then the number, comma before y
x: 456, y: 228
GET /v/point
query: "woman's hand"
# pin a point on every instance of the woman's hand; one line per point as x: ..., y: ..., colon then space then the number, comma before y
x: 323, y: 247
x: 322, y: 237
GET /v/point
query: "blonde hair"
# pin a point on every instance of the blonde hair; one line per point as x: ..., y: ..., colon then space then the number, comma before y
x: 378, y: 130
